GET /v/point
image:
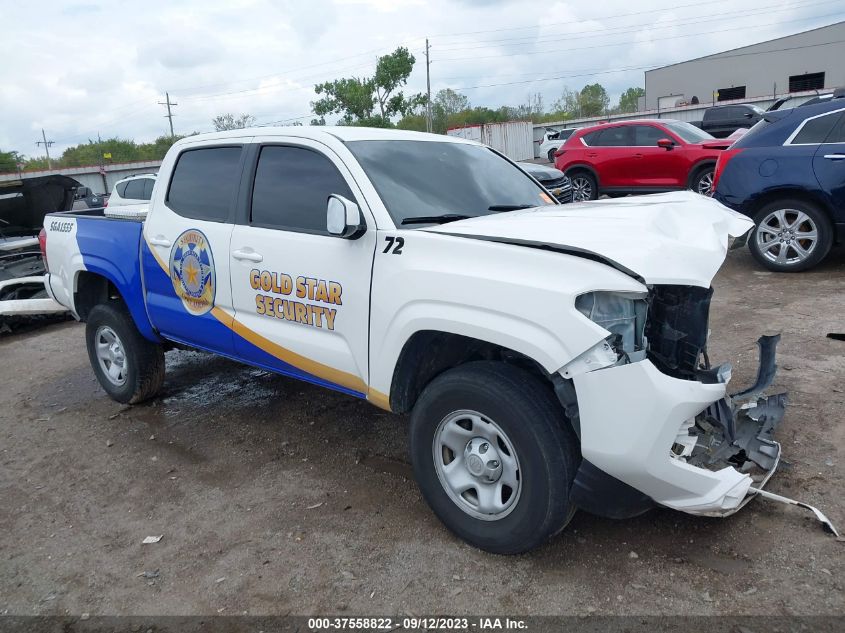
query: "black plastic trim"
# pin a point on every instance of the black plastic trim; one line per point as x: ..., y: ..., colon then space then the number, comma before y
x: 603, y: 495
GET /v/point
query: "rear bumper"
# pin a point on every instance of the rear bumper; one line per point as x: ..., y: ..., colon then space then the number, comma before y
x: 685, y: 444
x: 27, y: 307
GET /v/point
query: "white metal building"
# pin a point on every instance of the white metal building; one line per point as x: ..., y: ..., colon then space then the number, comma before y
x: 811, y: 60
x: 513, y: 138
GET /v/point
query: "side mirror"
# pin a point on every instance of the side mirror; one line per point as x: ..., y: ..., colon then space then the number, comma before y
x: 666, y: 143
x: 343, y: 218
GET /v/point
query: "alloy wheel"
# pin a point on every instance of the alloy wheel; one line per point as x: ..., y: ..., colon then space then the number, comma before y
x: 704, y: 186
x: 582, y: 189
x: 787, y: 236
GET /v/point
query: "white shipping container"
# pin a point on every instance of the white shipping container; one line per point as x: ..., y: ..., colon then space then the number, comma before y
x: 514, y: 139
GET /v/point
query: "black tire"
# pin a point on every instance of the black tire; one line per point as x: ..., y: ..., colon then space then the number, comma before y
x: 544, y: 444
x: 584, y: 185
x: 551, y: 155
x: 701, y: 180
x: 767, y: 233
x: 143, y: 360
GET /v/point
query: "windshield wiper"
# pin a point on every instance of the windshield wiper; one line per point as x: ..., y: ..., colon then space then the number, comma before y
x: 509, y: 207
x: 435, y: 219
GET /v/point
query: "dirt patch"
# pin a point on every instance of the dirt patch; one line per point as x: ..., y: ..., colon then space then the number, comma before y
x: 301, y: 500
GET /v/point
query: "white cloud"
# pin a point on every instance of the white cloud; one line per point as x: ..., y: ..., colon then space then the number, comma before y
x: 79, y: 68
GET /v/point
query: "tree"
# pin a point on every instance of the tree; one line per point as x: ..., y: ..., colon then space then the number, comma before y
x: 446, y: 104
x: 450, y: 101
x: 569, y: 103
x: 629, y: 99
x: 9, y: 161
x: 594, y: 100
x: 372, y: 100
x: 91, y: 153
x: 229, y: 121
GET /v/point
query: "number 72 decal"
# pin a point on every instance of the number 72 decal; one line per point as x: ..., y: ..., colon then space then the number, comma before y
x: 396, y: 243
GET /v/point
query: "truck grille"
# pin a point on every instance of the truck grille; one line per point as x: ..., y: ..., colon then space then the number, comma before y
x: 676, y: 328
x: 561, y: 188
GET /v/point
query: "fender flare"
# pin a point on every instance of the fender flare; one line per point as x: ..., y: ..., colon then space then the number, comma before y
x: 583, y: 167
x: 697, y: 167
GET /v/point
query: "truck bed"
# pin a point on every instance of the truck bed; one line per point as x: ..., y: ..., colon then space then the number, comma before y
x: 88, y: 241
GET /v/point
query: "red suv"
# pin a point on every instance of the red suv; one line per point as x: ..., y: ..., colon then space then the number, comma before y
x: 640, y: 156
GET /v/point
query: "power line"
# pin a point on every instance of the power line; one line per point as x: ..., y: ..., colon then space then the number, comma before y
x: 636, y: 28
x: 205, y: 97
x: 616, y: 70
x: 284, y: 72
x: 592, y: 19
x: 670, y: 37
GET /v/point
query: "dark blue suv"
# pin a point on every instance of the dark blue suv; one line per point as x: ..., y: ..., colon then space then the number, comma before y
x: 788, y: 174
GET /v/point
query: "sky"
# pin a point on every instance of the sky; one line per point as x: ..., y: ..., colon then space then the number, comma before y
x: 79, y: 69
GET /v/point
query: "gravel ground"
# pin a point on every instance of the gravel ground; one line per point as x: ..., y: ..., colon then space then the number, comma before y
x: 277, y: 497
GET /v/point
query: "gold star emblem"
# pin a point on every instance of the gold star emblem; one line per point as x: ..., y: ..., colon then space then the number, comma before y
x: 192, y: 271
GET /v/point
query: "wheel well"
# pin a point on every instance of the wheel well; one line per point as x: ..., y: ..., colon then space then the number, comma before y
x: 701, y: 166
x: 427, y: 354
x: 586, y: 168
x: 697, y: 168
x: 92, y: 290
x: 796, y: 194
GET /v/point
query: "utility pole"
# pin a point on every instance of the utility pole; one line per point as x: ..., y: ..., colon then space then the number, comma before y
x: 100, y: 159
x: 169, y: 114
x: 428, y: 125
x: 46, y: 145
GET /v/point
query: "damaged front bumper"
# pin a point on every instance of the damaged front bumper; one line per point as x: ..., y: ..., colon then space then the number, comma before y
x: 686, y: 444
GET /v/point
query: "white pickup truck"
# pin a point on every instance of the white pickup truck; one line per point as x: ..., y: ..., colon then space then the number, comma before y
x: 551, y: 357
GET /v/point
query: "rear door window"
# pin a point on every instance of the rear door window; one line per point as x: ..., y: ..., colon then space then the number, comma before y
x: 148, y: 188
x: 816, y: 130
x: 134, y: 189
x: 615, y: 137
x: 204, y: 183
x: 837, y: 135
x: 591, y: 138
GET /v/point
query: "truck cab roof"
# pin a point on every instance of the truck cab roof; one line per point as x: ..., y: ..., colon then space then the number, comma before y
x: 342, y: 133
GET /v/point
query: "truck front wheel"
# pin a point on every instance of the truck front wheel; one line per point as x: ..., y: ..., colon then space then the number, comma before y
x: 494, y: 456
x: 129, y: 367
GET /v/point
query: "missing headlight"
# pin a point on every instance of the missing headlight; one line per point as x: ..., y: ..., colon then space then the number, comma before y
x: 623, y: 314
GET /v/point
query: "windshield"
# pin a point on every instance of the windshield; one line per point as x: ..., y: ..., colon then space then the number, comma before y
x: 688, y: 132
x: 419, y: 179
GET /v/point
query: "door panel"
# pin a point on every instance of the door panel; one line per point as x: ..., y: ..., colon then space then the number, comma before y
x: 829, y: 167
x: 612, y: 156
x: 301, y: 296
x: 655, y: 166
x: 185, y: 260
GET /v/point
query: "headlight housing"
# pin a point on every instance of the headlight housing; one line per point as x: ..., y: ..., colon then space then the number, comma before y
x: 623, y: 314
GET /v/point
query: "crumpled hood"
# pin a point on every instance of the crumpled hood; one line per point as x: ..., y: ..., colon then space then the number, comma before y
x: 668, y: 238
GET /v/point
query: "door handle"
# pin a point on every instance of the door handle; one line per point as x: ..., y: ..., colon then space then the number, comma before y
x: 159, y: 240
x: 247, y: 254
x: 638, y: 155
x: 835, y: 156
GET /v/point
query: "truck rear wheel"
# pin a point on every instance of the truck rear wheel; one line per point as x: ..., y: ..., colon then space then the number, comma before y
x: 494, y: 456
x: 129, y: 367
